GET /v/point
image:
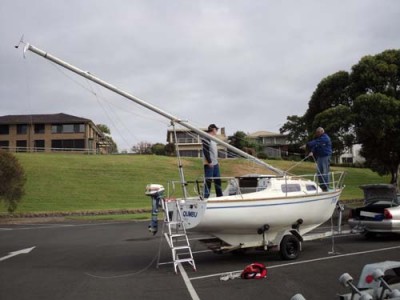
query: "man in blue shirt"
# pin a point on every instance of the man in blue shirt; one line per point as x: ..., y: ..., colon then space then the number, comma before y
x: 321, y: 149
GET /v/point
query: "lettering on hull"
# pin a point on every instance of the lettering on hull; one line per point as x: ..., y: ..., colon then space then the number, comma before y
x: 190, y: 214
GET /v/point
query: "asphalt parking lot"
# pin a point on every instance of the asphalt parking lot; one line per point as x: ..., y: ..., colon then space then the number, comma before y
x: 117, y: 260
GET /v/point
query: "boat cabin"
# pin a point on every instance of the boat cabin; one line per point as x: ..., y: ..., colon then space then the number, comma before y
x: 255, y: 183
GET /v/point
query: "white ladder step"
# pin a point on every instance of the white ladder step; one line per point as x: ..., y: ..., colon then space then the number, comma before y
x: 180, y: 248
x: 175, y: 235
x: 176, y: 229
x: 174, y: 223
x: 181, y: 260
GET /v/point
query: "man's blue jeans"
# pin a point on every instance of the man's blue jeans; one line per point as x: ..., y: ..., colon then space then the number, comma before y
x: 323, y: 171
x: 210, y: 174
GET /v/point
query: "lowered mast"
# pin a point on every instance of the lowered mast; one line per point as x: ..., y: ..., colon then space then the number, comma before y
x: 149, y: 106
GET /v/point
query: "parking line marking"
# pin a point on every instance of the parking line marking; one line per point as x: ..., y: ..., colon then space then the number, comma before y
x: 305, y: 261
x: 51, y: 226
x: 189, y: 285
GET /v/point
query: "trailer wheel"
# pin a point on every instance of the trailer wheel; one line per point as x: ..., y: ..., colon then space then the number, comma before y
x: 290, y: 247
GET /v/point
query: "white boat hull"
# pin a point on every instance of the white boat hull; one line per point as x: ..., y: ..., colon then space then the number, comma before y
x: 245, y: 216
x: 237, y: 219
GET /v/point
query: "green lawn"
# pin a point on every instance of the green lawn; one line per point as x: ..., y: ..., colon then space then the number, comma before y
x: 76, y: 182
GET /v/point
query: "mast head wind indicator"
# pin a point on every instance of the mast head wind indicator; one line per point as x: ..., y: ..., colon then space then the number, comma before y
x: 26, y: 47
x: 21, y: 41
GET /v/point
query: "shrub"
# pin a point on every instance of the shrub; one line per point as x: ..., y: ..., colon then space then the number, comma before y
x: 12, y: 179
x: 262, y: 155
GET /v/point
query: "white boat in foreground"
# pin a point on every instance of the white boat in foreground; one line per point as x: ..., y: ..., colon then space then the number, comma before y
x: 273, y: 214
x: 267, y: 211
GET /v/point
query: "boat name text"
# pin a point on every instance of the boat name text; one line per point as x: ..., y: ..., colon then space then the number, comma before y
x: 190, y: 214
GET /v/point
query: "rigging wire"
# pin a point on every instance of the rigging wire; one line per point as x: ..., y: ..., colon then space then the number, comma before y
x: 28, y: 89
x: 126, y: 274
x: 99, y: 96
x: 226, y: 153
x: 106, y: 112
x: 91, y: 90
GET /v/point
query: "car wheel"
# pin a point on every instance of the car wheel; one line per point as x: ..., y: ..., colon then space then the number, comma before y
x: 290, y: 247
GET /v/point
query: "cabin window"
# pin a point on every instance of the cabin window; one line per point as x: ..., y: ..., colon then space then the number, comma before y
x: 290, y: 188
x: 311, y: 187
x: 248, y: 184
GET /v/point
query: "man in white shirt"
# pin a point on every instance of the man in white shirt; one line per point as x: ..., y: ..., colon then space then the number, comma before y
x: 210, y: 161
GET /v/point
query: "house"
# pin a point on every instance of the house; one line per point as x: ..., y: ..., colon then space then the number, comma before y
x: 50, y: 132
x: 273, y: 144
x: 352, y: 156
x: 189, y: 143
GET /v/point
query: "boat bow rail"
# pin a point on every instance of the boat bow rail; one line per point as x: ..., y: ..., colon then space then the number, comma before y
x: 284, y: 186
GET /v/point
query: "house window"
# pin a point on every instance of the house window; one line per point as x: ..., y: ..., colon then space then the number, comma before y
x: 60, y: 145
x: 22, y: 128
x: 80, y: 128
x: 186, y: 137
x: 56, y: 128
x: 39, y: 128
x: 21, y: 146
x: 347, y: 160
x: 189, y: 153
x: 4, y: 145
x: 39, y: 145
x: 4, y: 129
x: 67, y: 128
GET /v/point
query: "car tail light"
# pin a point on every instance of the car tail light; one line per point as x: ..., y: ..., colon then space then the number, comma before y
x: 387, y: 214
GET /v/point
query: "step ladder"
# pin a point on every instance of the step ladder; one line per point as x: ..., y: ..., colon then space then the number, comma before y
x: 176, y: 235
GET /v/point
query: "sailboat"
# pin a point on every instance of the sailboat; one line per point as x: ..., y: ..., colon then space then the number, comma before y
x: 271, y: 212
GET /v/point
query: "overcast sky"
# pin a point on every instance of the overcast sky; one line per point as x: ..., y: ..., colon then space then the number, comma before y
x: 243, y: 65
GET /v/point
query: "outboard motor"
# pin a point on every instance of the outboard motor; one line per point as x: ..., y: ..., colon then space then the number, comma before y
x: 156, y: 192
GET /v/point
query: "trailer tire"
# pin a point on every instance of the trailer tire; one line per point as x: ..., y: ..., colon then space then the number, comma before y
x: 290, y: 247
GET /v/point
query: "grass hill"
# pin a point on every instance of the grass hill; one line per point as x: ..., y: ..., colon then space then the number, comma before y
x: 74, y: 182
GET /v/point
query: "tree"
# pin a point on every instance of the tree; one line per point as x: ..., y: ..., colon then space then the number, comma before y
x: 241, y: 141
x: 295, y: 127
x: 12, y: 178
x: 338, y: 122
x: 170, y: 149
x: 358, y: 107
x: 104, y: 128
x: 142, y: 148
x: 238, y: 140
x: 330, y: 92
x: 158, y: 149
x: 375, y: 83
x: 113, y: 148
x: 377, y: 74
x: 377, y: 124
